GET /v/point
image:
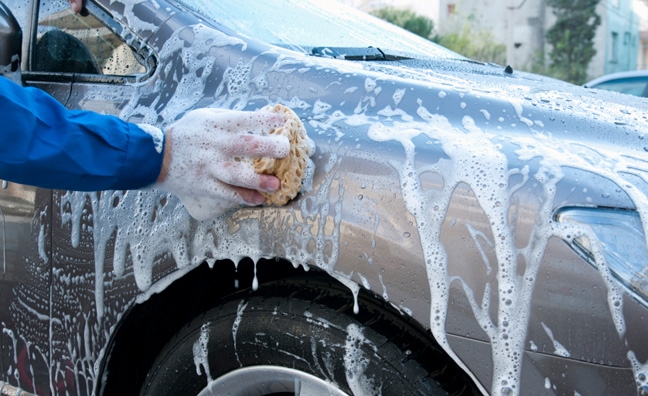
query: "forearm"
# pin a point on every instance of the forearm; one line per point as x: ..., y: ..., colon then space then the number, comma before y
x: 44, y: 144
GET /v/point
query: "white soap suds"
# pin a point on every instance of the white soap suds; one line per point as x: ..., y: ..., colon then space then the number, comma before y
x: 156, y: 134
x: 484, y: 168
x: 559, y: 349
x: 4, y: 241
x: 486, y: 114
x: 398, y: 96
x: 41, y: 244
x: 235, y: 326
x: 356, y: 362
x: 533, y: 346
x: 353, y: 286
x: 147, y: 226
x: 364, y: 281
x: 640, y: 372
x: 370, y: 85
x: 518, y: 111
x: 200, y: 352
x: 202, y: 170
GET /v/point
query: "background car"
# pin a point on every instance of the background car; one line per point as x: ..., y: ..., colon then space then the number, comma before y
x: 463, y: 228
x: 631, y: 82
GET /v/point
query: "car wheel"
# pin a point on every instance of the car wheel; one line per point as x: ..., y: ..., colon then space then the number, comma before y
x: 301, y: 338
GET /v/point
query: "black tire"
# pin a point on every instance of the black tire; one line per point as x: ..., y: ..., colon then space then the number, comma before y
x: 309, y: 327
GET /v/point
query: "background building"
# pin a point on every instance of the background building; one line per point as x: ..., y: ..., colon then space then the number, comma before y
x: 642, y: 10
x: 617, y: 39
x: 521, y: 25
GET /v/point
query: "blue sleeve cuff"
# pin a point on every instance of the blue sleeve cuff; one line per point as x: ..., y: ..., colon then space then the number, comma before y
x: 143, y: 157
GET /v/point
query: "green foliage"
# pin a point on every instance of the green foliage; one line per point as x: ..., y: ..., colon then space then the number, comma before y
x: 474, y: 43
x: 572, y: 38
x: 536, y: 64
x: 407, y: 19
x: 470, y: 41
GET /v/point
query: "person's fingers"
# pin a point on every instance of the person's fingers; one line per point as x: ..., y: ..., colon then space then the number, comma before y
x: 255, y: 146
x: 217, y: 110
x: 243, y: 175
x: 205, y: 208
x: 269, y: 183
x: 76, y: 5
x: 257, y: 122
x: 251, y: 197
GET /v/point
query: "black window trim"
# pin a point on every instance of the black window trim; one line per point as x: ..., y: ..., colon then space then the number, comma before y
x: 142, y: 51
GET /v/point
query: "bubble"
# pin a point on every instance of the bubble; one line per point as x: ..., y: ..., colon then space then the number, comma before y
x: 507, y: 391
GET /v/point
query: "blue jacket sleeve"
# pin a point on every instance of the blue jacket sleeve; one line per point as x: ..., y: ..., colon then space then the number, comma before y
x: 46, y: 145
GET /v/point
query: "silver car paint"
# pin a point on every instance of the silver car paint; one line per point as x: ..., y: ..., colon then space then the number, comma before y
x: 434, y: 188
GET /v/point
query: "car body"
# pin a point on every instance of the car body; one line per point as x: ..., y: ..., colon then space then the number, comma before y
x: 463, y: 228
x: 633, y: 82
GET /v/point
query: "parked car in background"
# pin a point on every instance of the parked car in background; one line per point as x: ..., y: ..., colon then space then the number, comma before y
x: 463, y: 228
x: 631, y: 82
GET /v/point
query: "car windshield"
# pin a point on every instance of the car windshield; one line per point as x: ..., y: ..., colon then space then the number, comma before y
x: 303, y: 25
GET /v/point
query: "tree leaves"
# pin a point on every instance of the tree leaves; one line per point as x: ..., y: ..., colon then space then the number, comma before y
x: 572, y: 38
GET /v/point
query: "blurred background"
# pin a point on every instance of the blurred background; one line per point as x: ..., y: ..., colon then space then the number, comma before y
x: 572, y: 40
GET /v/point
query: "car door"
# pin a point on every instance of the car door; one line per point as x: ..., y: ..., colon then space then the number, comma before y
x: 48, y: 277
x: 25, y: 265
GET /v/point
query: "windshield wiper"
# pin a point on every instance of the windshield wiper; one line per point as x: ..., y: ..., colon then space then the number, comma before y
x: 356, y: 53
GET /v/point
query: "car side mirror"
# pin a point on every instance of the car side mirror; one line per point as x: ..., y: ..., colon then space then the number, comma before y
x: 10, y: 42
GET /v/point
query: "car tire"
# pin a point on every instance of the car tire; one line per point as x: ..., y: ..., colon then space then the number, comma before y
x: 302, y: 337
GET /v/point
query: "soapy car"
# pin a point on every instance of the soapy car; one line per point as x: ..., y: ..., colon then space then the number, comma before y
x: 463, y: 227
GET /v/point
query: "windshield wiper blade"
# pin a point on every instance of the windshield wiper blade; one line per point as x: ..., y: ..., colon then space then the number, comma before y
x: 355, y: 53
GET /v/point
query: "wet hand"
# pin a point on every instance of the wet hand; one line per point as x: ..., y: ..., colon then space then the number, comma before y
x: 201, y: 159
x: 76, y: 5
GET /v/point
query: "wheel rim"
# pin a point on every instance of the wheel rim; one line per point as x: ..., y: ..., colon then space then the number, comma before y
x: 269, y: 380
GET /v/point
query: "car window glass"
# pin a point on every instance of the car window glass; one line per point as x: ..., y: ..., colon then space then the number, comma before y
x: 632, y: 86
x: 70, y: 43
x: 303, y: 25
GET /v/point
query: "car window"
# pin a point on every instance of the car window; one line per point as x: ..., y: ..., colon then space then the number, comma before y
x: 302, y: 25
x: 70, y: 43
x: 631, y: 85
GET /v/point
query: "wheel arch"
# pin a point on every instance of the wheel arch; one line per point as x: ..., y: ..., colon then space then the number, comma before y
x: 146, y: 328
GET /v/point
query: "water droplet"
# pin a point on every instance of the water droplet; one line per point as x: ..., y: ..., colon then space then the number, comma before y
x: 406, y: 234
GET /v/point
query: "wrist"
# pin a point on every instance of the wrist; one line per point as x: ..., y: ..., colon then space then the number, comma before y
x: 166, y: 156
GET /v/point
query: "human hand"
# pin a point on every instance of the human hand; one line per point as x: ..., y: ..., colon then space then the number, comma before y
x: 200, y: 164
x: 76, y: 5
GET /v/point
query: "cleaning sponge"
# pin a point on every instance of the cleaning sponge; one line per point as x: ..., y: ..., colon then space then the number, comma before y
x: 292, y: 168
